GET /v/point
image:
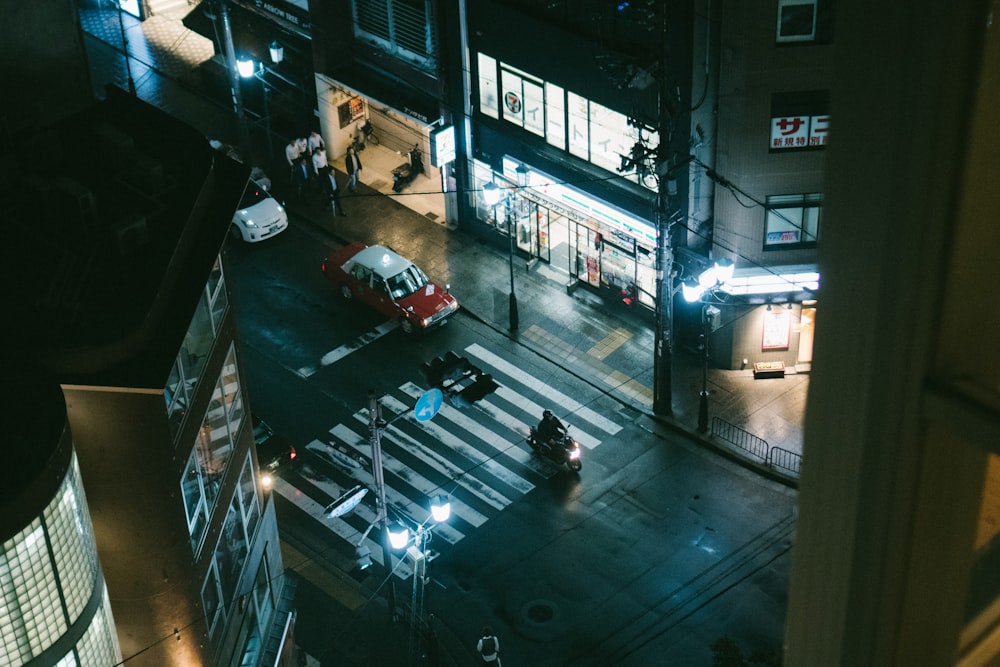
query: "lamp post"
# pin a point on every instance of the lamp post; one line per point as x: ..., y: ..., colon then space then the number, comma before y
x: 248, y: 68
x: 234, y: 78
x: 128, y: 62
x: 492, y: 196
x: 702, y: 289
x: 399, y: 538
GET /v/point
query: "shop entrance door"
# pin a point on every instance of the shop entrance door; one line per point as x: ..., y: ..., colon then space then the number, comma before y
x: 585, y: 255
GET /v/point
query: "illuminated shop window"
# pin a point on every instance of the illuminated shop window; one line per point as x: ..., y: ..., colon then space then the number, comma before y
x: 48, y: 574
x: 488, y: 96
x: 555, y: 116
x: 593, y: 132
x: 792, y: 221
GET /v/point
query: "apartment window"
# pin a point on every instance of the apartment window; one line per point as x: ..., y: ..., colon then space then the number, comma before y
x: 796, y: 20
x: 406, y: 29
x: 231, y: 551
x: 804, y: 22
x: 792, y: 221
x: 198, y: 342
x: 211, y: 598
x: 262, y: 591
x: 195, y: 500
x: 248, y: 496
x: 212, y: 450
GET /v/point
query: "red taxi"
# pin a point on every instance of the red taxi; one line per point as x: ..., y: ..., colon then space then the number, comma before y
x: 391, y: 284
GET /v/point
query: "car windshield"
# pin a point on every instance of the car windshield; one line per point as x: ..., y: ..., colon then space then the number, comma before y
x: 253, y: 195
x: 406, y: 282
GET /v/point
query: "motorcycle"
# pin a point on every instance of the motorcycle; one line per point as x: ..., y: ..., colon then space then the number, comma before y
x: 408, y: 171
x: 563, y: 449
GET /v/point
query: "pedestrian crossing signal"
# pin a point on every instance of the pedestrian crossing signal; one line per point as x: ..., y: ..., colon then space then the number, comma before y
x: 462, y: 383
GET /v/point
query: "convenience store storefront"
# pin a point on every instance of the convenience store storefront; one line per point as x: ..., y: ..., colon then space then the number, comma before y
x: 581, y: 240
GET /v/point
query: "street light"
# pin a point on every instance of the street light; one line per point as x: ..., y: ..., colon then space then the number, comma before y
x: 247, y: 68
x: 492, y: 195
x: 697, y: 290
x: 399, y: 537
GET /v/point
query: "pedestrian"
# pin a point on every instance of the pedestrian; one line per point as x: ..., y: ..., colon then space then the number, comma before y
x: 303, y: 145
x: 315, y: 141
x: 319, y: 163
x: 353, y: 164
x: 291, y: 155
x: 488, y: 647
x: 300, y: 176
x: 333, y: 192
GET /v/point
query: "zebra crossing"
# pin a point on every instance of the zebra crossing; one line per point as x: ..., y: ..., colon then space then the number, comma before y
x: 477, y: 456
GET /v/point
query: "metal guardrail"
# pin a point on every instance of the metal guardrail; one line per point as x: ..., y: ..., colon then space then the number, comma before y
x: 773, y: 457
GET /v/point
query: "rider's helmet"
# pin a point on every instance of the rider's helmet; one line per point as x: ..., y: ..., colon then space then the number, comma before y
x: 547, y: 414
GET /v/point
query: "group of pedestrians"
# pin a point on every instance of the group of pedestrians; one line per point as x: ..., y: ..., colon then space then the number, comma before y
x: 309, y: 169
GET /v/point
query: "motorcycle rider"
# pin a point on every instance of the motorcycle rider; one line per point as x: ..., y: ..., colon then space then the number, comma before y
x: 549, y: 429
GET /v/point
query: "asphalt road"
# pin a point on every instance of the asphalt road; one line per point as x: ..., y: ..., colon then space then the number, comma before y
x: 649, y: 555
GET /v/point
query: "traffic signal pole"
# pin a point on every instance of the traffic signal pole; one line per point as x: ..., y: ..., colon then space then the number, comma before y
x: 375, y: 426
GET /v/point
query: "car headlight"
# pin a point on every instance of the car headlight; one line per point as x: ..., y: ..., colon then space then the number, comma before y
x: 250, y: 223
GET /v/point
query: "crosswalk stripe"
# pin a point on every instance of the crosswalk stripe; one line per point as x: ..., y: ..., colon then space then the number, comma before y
x: 339, y: 353
x: 527, y: 380
x: 399, y: 501
x: 531, y: 407
x: 340, y: 528
x: 502, y: 445
x: 416, y: 480
x: 456, y: 444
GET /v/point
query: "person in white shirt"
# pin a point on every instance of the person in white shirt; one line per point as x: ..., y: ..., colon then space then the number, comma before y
x: 316, y: 141
x: 320, y: 165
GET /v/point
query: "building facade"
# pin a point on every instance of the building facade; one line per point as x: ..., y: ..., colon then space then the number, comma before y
x: 774, y: 74
x: 55, y: 607
x: 131, y: 315
x: 581, y: 116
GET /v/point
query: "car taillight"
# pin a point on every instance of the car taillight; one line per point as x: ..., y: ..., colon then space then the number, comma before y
x: 292, y: 454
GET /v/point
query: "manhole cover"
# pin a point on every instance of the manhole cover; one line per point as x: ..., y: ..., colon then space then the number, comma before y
x: 539, y: 612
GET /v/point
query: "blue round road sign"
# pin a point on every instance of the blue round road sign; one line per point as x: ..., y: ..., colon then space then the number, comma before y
x: 428, y: 404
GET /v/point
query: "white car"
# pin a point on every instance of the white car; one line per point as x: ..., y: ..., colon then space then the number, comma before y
x: 260, y: 216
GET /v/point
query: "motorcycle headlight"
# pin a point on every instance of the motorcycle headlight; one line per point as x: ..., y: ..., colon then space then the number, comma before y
x: 574, y: 453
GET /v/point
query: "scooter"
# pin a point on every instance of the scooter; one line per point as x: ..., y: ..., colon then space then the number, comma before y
x: 406, y: 172
x: 563, y: 449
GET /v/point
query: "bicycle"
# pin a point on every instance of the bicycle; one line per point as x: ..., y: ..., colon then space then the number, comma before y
x: 365, y: 134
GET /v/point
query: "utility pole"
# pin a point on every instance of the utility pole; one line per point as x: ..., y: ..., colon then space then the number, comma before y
x: 375, y: 426
x: 663, y: 349
x: 234, y: 82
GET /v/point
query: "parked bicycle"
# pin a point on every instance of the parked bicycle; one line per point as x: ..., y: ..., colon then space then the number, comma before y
x: 365, y: 135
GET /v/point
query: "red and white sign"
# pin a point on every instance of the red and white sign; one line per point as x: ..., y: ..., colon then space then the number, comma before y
x: 795, y: 132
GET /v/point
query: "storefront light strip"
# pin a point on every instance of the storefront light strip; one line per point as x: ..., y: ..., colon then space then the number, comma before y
x: 544, y: 186
x: 770, y: 284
